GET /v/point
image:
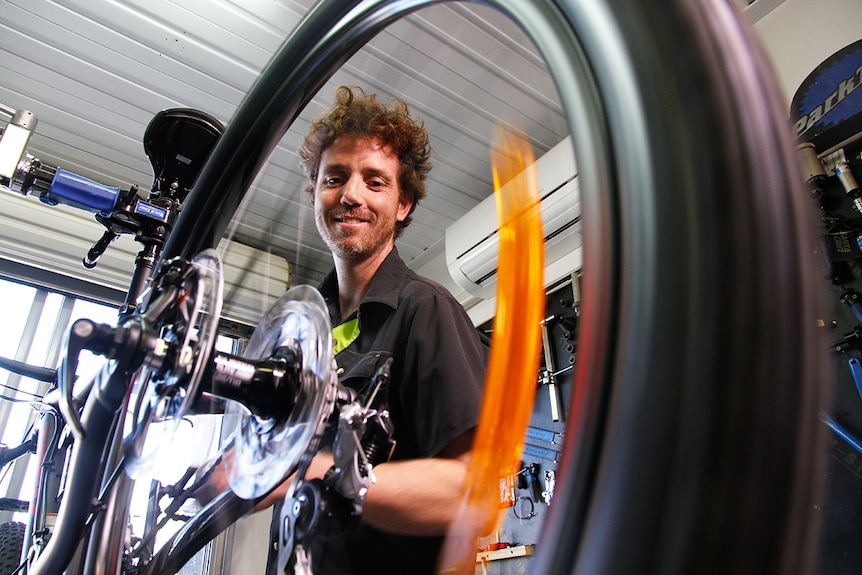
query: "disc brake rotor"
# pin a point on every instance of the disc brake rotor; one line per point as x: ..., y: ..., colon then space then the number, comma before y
x: 161, y: 398
x: 268, y: 450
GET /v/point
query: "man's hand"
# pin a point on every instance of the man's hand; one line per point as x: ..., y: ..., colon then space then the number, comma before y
x: 316, y: 470
x: 416, y: 497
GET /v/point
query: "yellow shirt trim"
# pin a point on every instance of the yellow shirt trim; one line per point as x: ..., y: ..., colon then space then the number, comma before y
x: 345, y: 334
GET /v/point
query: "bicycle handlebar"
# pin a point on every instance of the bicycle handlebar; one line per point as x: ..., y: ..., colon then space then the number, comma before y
x: 27, y: 370
x: 8, y: 454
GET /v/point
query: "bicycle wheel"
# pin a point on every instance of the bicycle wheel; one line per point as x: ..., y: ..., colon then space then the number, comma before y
x: 693, y: 427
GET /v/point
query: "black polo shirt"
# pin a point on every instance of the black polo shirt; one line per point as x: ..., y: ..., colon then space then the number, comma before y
x: 435, y: 392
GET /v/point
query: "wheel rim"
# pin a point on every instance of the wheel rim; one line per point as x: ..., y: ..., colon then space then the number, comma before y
x: 677, y: 191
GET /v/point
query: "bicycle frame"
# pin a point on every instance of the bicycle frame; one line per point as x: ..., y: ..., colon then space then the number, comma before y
x: 43, y: 443
x: 150, y: 220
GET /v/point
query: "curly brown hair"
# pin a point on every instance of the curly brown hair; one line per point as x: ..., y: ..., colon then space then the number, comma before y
x: 359, y: 114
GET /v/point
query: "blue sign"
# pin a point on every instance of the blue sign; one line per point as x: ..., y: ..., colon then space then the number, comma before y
x: 827, y: 107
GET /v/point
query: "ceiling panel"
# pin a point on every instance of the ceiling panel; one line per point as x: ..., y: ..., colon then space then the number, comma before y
x: 95, y: 72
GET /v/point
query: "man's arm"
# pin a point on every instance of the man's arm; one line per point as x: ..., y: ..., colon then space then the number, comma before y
x: 410, y: 497
x: 419, y: 496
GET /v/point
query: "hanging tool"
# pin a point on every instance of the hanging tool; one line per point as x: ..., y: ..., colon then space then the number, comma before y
x: 548, y: 374
x: 550, y: 483
x: 528, y: 478
x: 841, y: 431
x: 544, y: 434
x: 849, y: 340
x: 852, y: 299
x: 524, y: 508
x: 856, y: 371
x: 541, y: 452
x: 576, y: 292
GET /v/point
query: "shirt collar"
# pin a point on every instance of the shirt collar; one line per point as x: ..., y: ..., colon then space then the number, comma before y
x: 385, y: 287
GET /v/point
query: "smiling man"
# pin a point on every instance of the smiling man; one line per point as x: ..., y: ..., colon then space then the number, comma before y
x: 357, y: 206
x: 366, y: 163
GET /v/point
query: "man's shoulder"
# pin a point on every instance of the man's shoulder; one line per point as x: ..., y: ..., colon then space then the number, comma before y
x: 396, y: 275
x: 416, y: 285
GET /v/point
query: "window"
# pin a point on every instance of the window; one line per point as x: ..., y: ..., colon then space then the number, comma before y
x: 35, y: 325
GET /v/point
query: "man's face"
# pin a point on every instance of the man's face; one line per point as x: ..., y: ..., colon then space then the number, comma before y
x: 357, y: 200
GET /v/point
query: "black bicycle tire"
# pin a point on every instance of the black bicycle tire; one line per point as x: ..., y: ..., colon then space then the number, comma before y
x: 704, y: 445
x: 692, y: 447
x: 214, y: 518
x: 11, y: 544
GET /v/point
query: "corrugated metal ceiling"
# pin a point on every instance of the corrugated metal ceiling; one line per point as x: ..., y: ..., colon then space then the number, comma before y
x: 95, y: 72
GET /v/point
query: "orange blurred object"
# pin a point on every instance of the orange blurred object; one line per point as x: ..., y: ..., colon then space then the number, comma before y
x: 510, y: 385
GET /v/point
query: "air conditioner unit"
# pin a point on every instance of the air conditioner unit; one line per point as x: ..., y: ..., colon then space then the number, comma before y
x: 465, y: 261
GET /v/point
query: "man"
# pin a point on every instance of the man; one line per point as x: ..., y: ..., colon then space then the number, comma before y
x: 367, y: 162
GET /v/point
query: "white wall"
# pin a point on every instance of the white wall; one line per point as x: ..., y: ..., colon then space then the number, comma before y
x: 250, y: 544
x: 800, y: 34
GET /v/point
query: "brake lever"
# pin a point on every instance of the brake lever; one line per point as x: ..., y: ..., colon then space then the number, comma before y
x: 129, y: 344
x: 81, y: 331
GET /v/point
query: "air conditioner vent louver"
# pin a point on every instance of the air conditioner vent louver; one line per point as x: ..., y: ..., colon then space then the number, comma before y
x: 472, y: 243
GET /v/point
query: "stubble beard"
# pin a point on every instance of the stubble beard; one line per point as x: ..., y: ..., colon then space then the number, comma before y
x: 354, y: 247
